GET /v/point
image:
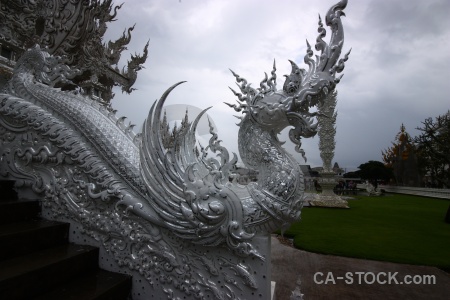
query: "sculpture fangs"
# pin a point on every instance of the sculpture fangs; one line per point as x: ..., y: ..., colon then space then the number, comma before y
x: 149, y: 206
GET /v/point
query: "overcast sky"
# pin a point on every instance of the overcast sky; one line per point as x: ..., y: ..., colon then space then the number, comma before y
x: 398, y: 71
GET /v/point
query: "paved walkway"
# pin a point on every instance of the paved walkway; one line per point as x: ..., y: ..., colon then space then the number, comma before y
x: 290, y: 264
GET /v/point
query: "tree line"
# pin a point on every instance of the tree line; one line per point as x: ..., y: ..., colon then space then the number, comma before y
x: 423, y: 160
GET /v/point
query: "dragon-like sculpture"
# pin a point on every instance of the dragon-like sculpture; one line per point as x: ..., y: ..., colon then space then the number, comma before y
x: 157, y: 210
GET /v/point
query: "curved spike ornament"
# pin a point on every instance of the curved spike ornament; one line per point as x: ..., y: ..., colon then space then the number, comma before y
x: 171, y: 216
x: 302, y: 89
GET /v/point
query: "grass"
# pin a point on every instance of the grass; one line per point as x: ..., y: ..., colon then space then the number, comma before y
x: 395, y: 228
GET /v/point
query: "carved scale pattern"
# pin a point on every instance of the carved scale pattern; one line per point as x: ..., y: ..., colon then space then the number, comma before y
x: 67, y: 148
x: 279, y: 189
x: 156, y: 211
x: 42, y: 152
x: 111, y: 139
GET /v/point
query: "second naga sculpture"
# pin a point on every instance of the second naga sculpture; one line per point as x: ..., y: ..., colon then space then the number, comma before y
x: 142, y: 201
x: 193, y: 197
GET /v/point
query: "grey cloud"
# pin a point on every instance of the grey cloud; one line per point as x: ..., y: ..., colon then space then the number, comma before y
x: 397, y: 72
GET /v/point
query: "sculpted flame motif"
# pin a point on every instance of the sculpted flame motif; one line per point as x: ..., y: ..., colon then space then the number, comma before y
x: 137, y: 198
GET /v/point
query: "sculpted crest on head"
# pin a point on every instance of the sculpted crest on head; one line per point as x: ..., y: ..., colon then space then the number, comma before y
x: 148, y: 205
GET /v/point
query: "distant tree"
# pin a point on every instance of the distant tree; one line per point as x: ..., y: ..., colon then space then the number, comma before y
x: 402, y: 159
x: 434, y: 149
x: 353, y: 174
x: 374, y: 170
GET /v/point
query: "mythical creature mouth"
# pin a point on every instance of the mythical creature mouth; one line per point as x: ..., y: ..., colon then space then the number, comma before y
x: 302, y: 90
x: 310, y: 100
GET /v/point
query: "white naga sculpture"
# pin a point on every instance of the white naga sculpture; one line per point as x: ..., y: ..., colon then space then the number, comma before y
x: 372, y: 190
x: 170, y: 218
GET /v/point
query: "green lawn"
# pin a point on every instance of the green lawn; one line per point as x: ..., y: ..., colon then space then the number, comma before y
x: 396, y: 228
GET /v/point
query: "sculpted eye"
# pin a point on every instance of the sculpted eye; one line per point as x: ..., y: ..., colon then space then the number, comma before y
x: 161, y: 205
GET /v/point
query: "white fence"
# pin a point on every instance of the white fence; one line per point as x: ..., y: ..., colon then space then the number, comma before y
x: 418, y: 191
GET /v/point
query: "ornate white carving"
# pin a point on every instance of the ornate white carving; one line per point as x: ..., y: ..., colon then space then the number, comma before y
x: 371, y: 190
x: 169, y: 216
x: 327, y: 130
x: 73, y: 29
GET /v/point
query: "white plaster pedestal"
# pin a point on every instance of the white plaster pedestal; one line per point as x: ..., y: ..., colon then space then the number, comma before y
x: 328, y: 198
